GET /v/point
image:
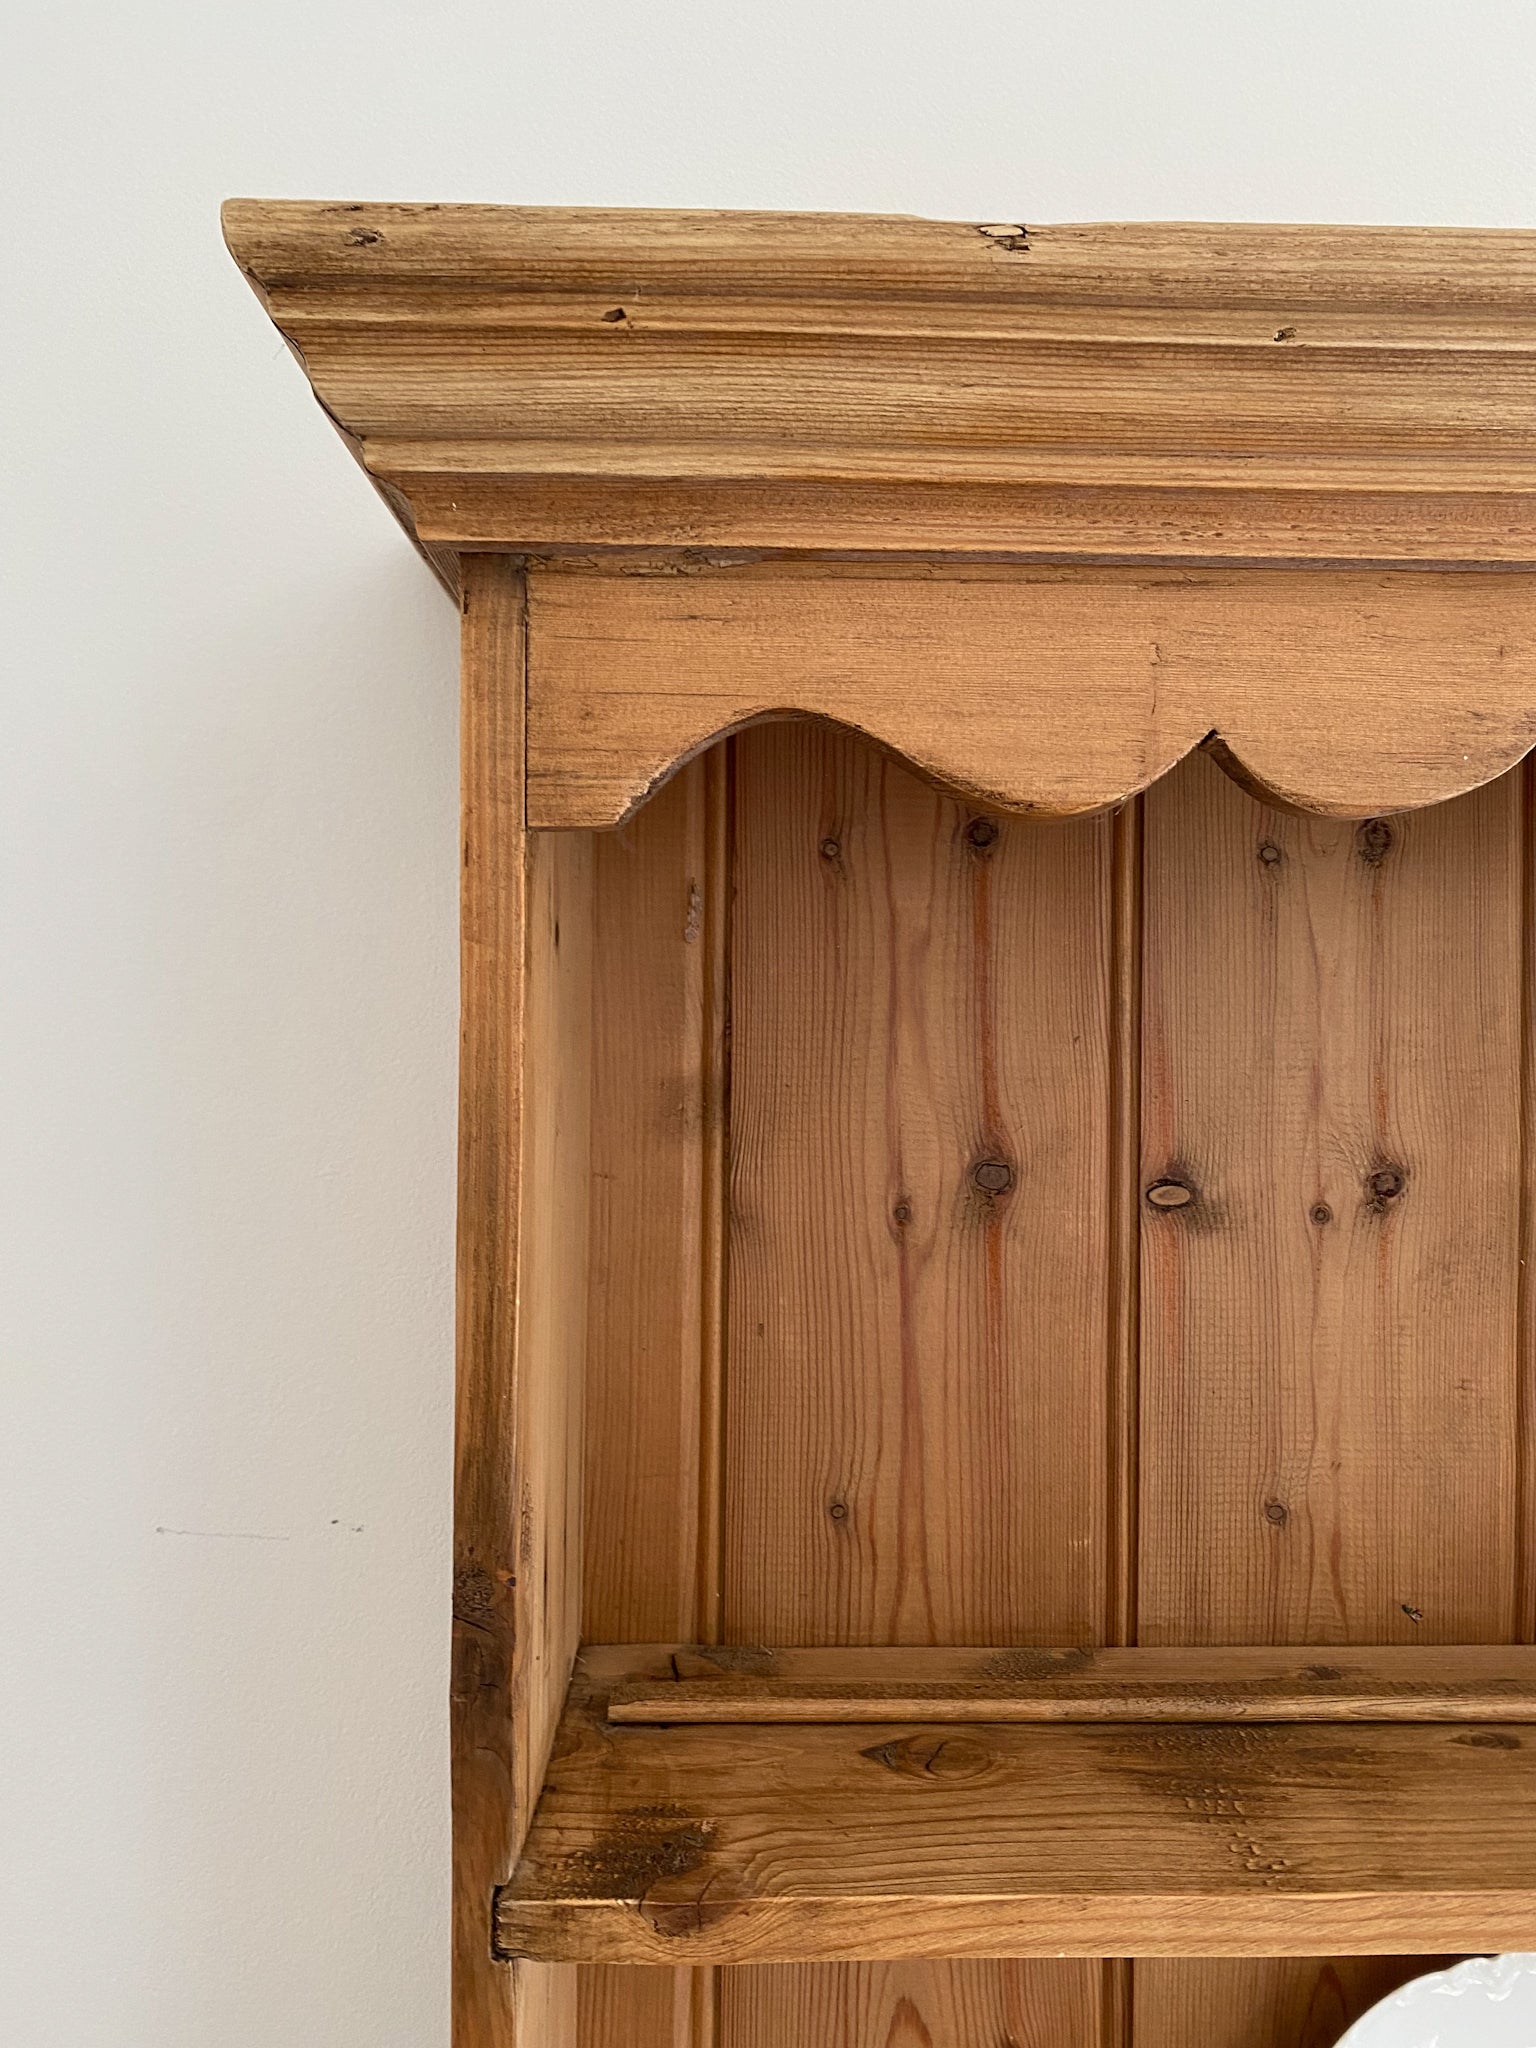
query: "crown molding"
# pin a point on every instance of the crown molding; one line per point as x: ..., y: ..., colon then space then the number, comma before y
x: 549, y: 380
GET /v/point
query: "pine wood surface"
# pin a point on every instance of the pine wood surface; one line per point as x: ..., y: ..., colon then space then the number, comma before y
x: 1395, y: 1682
x: 1054, y: 691
x: 917, y: 1135
x: 911, y: 2004
x: 1329, y: 1395
x: 523, y: 1076
x: 762, y: 1843
x: 1264, y: 2001
x: 528, y: 377
x: 827, y: 2004
x: 656, y: 1107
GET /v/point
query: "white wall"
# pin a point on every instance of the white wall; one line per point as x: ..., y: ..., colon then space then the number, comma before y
x: 227, y: 804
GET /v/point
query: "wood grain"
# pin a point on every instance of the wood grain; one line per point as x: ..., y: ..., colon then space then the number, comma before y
x: 910, y: 2004
x: 902, y: 1463
x: 1264, y: 2001
x: 524, y: 377
x: 1056, y: 691
x: 627, y: 2008
x: 1333, y: 1061
x: 777, y: 1844
x: 1328, y: 1443
x: 1397, y: 1682
x: 521, y: 1316
x: 653, y: 1362
x: 915, y: 1426
x: 656, y: 1094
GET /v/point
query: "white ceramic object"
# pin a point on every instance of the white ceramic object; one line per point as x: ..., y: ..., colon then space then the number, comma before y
x: 1489, y: 2002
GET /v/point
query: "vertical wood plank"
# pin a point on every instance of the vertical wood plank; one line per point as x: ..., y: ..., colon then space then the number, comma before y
x: 916, y: 1431
x: 916, y: 1438
x: 638, y: 2008
x: 521, y: 1319
x: 1329, y: 1372
x: 1123, y: 1279
x: 1333, y: 1060
x: 655, y: 1337
x: 1525, y: 1452
x: 1264, y: 2002
x: 911, y: 2005
x: 652, y: 1107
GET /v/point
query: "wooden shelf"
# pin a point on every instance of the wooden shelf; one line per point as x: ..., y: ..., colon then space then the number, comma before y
x: 787, y: 1842
x: 1397, y: 1682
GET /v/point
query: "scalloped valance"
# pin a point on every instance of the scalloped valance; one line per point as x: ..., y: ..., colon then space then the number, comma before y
x: 1041, y: 507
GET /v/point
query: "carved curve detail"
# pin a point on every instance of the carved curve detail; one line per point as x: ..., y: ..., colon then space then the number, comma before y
x: 1338, y: 692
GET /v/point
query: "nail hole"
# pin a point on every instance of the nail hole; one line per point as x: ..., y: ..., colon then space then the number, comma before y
x: 617, y: 313
x: 1285, y: 334
x: 1170, y: 1194
x: 1414, y: 1614
x: 992, y: 1176
x: 1007, y: 234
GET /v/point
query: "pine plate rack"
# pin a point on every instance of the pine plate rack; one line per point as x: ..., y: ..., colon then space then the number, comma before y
x: 996, y: 1473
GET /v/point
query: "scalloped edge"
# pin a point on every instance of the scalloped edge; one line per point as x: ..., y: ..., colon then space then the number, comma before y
x: 1345, y: 694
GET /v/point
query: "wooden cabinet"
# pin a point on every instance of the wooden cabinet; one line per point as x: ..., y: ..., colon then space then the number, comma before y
x: 996, y: 1491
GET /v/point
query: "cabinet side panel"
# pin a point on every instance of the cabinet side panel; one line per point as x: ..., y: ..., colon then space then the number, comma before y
x: 917, y: 1370
x: 1329, y: 1370
x: 524, y: 1100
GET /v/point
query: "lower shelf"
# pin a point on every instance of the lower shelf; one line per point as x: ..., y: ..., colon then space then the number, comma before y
x: 792, y: 1841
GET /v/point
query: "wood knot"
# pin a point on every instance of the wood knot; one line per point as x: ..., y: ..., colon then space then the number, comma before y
x: 1270, y: 854
x: 981, y: 835
x: 1321, y: 1213
x: 1170, y: 1194
x: 830, y: 849
x: 992, y: 1176
x: 1414, y: 1614
x: 931, y: 1756
x: 1383, y: 1187
x: 902, y: 1212
x: 1373, y: 841
x: 838, y: 1510
x: 363, y: 238
x: 1277, y: 1512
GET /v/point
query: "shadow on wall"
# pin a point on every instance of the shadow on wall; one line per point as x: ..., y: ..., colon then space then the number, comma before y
x: 297, y: 1078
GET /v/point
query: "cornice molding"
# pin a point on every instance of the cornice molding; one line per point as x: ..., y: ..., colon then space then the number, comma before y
x: 548, y: 380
